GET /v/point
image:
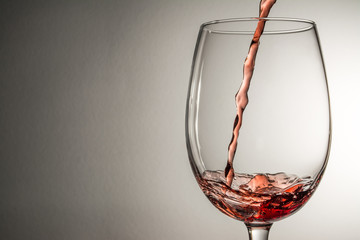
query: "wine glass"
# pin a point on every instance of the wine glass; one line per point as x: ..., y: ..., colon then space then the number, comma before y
x: 283, y: 141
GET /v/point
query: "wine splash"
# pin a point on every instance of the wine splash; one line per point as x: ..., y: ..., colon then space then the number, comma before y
x: 241, y: 96
x: 257, y: 197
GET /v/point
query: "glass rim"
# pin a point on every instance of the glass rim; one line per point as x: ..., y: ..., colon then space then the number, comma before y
x: 212, y: 26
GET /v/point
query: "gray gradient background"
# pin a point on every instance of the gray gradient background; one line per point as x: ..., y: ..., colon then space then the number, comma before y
x: 92, y: 105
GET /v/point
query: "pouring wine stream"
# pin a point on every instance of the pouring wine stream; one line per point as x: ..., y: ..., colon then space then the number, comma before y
x: 241, y: 96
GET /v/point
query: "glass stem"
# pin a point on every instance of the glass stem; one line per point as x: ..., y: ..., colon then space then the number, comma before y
x: 258, y: 231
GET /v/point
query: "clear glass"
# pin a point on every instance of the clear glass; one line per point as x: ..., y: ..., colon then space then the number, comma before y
x: 284, y: 140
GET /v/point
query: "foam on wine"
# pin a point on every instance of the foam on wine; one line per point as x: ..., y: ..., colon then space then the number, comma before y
x: 241, y: 96
x: 256, y: 197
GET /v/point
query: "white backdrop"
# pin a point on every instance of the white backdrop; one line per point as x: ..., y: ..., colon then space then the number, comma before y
x: 92, y: 110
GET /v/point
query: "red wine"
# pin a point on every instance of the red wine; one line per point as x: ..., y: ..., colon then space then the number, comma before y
x: 256, y: 197
x: 241, y: 96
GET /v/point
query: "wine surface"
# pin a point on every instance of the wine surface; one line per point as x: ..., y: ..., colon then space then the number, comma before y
x: 256, y: 197
x: 241, y: 96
